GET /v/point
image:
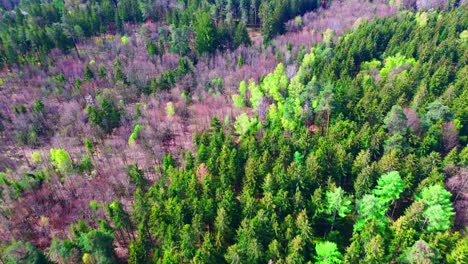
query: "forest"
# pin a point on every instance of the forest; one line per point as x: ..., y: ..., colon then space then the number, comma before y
x: 233, y: 131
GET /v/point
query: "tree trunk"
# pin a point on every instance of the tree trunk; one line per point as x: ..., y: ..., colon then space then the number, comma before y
x: 333, y: 221
x: 394, y: 207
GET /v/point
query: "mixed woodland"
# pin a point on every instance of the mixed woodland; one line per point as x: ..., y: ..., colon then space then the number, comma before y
x: 233, y: 131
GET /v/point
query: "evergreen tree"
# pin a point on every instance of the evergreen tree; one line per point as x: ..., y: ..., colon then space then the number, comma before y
x: 395, y: 121
x: 23, y: 252
x: 205, y: 34
x: 88, y: 75
x: 107, y: 116
x: 136, y: 176
x: 241, y: 36
x: 119, y: 74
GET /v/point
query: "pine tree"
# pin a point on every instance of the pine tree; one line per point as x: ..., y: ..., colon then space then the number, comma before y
x: 88, y: 75
x: 119, y: 74
x: 395, y: 121
x: 102, y: 71
x: 136, y: 176
x: 241, y: 36
x: 205, y: 34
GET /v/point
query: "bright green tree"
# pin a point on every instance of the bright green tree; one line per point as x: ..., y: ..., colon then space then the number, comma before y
x: 369, y: 207
x: 338, y: 203
x: 389, y: 187
x: 438, y: 210
x: 61, y: 161
x: 205, y: 33
x: 327, y: 253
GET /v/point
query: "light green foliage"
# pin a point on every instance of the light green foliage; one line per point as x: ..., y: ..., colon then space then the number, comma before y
x: 298, y: 20
x: 438, y: 209
x: 389, y: 187
x: 36, y: 157
x: 327, y: 253
x: 137, y: 253
x: 61, y: 161
x: 421, y: 18
x: 369, y: 207
x: 463, y: 36
x: 244, y: 123
x: 134, y: 135
x: 459, y: 254
x: 276, y: 83
x: 327, y: 36
x: 256, y: 95
x: 437, y: 218
x: 170, y: 110
x: 124, y: 39
x: 88, y: 259
x: 205, y: 33
x: 255, y: 192
x: 395, y: 61
x: 94, y: 205
x: 297, y: 82
x: 338, y: 203
x: 217, y: 85
x: 370, y: 65
x: 242, y: 88
x: 273, y: 114
x: 238, y: 100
